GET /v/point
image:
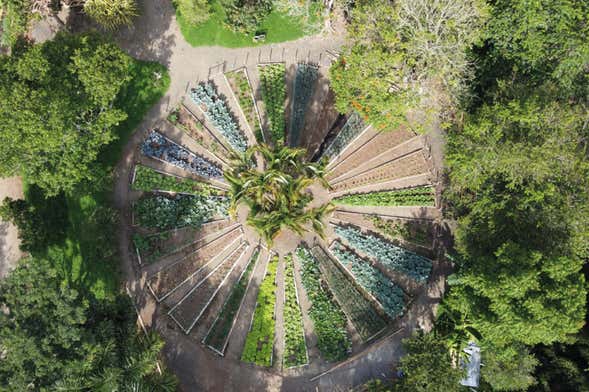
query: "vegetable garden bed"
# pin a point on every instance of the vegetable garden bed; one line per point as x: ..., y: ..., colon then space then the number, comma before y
x: 420, y: 196
x: 259, y: 343
x: 155, y: 246
x: 389, y: 295
x: 164, y: 282
x: 216, y: 110
x: 273, y: 82
x: 239, y: 83
x: 184, y: 119
x: 329, y: 321
x: 385, y: 253
x: 354, y: 126
x: 295, y: 347
x: 304, y: 83
x: 359, y: 310
x: 159, y: 147
x: 147, y: 179
x: 410, y: 165
x: 218, y: 335
x: 188, y: 311
x: 164, y: 211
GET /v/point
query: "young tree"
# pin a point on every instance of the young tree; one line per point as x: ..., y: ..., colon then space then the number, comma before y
x: 427, y: 366
x: 57, y: 108
x: 406, y: 58
x: 112, y: 13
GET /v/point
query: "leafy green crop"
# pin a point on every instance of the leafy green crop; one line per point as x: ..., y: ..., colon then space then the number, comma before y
x: 329, y: 322
x: 147, y: 179
x: 295, y: 348
x: 420, y: 196
x: 259, y: 343
x: 274, y: 96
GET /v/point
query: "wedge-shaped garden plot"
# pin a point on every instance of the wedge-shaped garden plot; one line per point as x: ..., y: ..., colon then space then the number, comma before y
x: 273, y: 82
x: 190, y: 308
x: 218, y: 336
x: 239, y: 83
x: 353, y: 127
x: 304, y: 84
x: 147, y: 179
x: 259, y: 344
x: 295, y: 347
x: 420, y: 196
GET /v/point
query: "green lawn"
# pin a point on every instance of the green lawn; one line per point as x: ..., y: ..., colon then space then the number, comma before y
x: 279, y: 27
x: 88, y: 255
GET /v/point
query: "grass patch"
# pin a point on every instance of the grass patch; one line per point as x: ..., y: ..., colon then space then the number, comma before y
x: 88, y: 255
x: 279, y: 27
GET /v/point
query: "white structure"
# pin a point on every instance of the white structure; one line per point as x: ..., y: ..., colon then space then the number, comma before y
x: 472, y: 365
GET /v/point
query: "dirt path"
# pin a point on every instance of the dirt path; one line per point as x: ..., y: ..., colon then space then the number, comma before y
x: 9, y: 242
x: 156, y: 36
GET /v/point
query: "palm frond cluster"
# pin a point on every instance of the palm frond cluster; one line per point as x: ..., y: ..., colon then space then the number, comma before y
x: 277, y: 193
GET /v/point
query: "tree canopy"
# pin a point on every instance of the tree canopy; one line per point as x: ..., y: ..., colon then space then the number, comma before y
x: 406, y: 59
x: 56, y: 108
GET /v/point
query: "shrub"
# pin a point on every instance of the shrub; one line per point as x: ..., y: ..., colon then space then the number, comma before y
x: 111, y: 13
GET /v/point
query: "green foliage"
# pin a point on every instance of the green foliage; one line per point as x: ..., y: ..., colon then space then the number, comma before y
x: 244, y: 94
x: 55, y: 337
x: 329, y: 322
x: 417, y: 232
x: 41, y: 221
x: 112, y: 13
x: 274, y: 95
x: 219, y: 332
x: 246, y: 16
x: 164, y: 212
x: 427, y: 366
x: 259, y: 343
x: 509, y: 368
x: 295, y: 348
x: 147, y: 179
x: 15, y: 18
x: 54, y: 113
x: 194, y: 12
x: 276, y: 196
x: 405, y: 58
x: 420, y: 196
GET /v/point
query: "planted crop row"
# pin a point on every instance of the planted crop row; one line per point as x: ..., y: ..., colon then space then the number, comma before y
x: 387, y: 254
x: 193, y: 305
x: 359, y: 310
x: 353, y: 127
x: 305, y: 79
x: 329, y: 322
x: 273, y: 82
x: 168, y: 279
x: 219, y: 333
x: 259, y: 343
x: 420, y: 196
x: 373, y: 280
x: 241, y: 87
x: 413, y: 231
x: 148, y: 179
x: 188, y: 123
x: 170, y: 212
x: 295, y: 348
x: 160, y: 147
x: 216, y: 110
x: 155, y: 246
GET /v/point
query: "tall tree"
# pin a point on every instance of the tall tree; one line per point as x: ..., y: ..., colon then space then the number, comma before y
x: 407, y: 59
x: 56, y: 108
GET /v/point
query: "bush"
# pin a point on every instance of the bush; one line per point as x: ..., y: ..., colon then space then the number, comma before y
x: 246, y: 16
x: 111, y: 13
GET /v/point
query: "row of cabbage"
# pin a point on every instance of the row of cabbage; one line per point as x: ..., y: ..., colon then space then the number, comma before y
x: 390, y: 296
x: 306, y: 76
x: 273, y: 83
x: 419, y: 196
x: 359, y: 310
x: 166, y: 212
x: 216, y: 110
x: 350, y: 130
x: 329, y: 321
x: 160, y: 147
x: 385, y: 253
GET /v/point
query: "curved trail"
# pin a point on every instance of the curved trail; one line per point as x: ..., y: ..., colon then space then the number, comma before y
x: 157, y: 37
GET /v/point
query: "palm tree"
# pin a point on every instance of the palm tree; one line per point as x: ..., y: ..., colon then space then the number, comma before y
x: 112, y: 13
x: 276, y: 195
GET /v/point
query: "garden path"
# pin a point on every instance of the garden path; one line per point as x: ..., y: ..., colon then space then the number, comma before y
x: 156, y: 36
x: 10, y: 252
